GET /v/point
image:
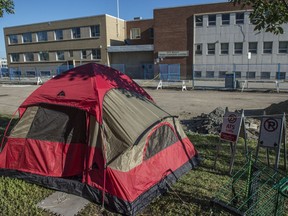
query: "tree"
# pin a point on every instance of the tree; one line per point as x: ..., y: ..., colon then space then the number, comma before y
x: 6, y: 6
x: 267, y: 15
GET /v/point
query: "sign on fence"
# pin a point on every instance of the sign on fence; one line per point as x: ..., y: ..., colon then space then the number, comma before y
x: 270, y: 132
x: 231, y: 126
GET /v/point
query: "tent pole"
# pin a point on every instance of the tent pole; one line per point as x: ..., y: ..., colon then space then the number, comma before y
x: 105, y: 168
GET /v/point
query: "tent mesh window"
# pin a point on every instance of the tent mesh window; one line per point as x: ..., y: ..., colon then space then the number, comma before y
x: 160, y: 139
x: 59, y: 124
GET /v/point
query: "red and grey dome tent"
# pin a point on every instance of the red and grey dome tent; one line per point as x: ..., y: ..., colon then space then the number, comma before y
x: 94, y: 132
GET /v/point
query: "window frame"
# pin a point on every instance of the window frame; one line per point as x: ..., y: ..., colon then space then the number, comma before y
x: 42, y: 36
x: 225, y: 21
x: 29, y: 59
x: 58, y: 37
x: 15, y: 57
x: 199, y: 51
x: 76, y: 32
x: 96, y: 54
x: 212, y: 22
x: 267, y: 50
x: 60, y: 55
x: 209, y: 50
x: 236, y: 52
x: 13, y: 39
x: 284, y: 49
x: 199, y: 23
x: 239, y: 20
x: 24, y: 37
x: 135, y: 33
x: 224, y: 51
x: 253, y: 50
x: 95, y: 31
x: 42, y: 56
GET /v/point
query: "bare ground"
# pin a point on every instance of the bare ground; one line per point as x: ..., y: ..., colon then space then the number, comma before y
x: 185, y: 104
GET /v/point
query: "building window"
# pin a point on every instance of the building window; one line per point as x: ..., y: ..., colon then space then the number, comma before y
x: 76, y: 32
x: 198, y: 50
x: 44, y: 56
x: 224, y: 48
x: 265, y: 75
x: 238, y: 48
x: 13, y: 39
x: 151, y: 33
x: 58, y: 34
x: 250, y: 74
x: 252, y: 47
x: 239, y: 18
x: 95, y: 31
x: 212, y: 20
x: 199, y: 20
x: 211, y: 48
x: 135, y: 33
x: 83, y: 54
x: 27, y: 37
x: 70, y: 54
x: 60, y: 55
x: 237, y: 74
x: 267, y: 47
x: 42, y: 36
x: 283, y: 46
x: 197, y: 74
x: 15, y: 57
x: 30, y: 73
x: 209, y: 74
x: 222, y: 74
x: 96, y: 53
x: 29, y: 57
x: 280, y: 75
x: 225, y: 19
x: 45, y: 73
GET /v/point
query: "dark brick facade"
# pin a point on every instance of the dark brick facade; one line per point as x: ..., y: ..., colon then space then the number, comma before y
x: 174, y: 30
x: 146, y: 27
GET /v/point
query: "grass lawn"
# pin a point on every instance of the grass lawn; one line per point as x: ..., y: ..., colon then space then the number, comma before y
x: 189, y: 196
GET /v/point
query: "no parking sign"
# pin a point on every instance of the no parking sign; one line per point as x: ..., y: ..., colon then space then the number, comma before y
x: 271, y: 131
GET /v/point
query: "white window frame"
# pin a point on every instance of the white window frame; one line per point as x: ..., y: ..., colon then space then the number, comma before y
x: 252, y: 47
x: 41, y: 56
x: 60, y: 56
x: 212, y: 22
x: 56, y: 36
x: 13, y: 39
x: 198, y: 49
x: 225, y: 21
x: 94, y: 32
x: 76, y: 33
x: 42, y: 36
x: 96, y: 54
x: 199, y: 21
x: 224, y: 50
x: 238, y: 51
x: 266, y: 47
x: 211, y: 47
x: 239, y: 20
x: 24, y: 37
x: 28, y: 59
x: 135, y: 33
x: 283, y: 47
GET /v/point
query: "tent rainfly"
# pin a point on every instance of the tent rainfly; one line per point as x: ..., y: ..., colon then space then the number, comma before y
x: 93, y: 132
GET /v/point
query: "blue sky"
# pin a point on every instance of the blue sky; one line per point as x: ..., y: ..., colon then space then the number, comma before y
x: 34, y: 11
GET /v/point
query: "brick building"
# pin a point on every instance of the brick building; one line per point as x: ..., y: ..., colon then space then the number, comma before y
x: 200, y: 41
